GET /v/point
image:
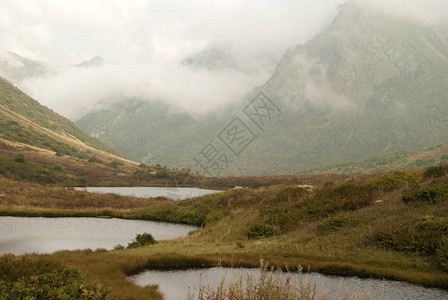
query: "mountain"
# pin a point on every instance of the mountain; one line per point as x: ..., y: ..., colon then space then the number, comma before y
x: 211, y: 59
x: 15, y: 103
x: 432, y: 156
x: 367, y: 85
x: 97, y: 61
x: 38, y: 144
x: 17, y: 68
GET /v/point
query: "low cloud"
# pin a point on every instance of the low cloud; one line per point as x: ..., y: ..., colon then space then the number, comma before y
x: 146, y: 41
x: 426, y: 12
x: 196, y: 91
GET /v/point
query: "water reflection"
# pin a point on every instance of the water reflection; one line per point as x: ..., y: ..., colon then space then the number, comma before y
x: 19, y: 235
x: 176, y: 284
x: 174, y: 193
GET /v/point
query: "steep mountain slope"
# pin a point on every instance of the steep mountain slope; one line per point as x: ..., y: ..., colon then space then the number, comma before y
x: 17, y: 68
x: 40, y: 145
x: 13, y: 101
x: 366, y: 86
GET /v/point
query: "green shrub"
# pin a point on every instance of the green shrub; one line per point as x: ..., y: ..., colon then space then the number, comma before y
x: 393, y: 180
x: 94, y: 159
x: 260, y: 231
x: 429, y: 194
x: 34, y: 277
x: 437, y: 224
x: 424, y: 162
x: 333, y: 223
x: 442, y: 253
x: 139, y: 172
x: 59, y: 168
x: 425, y: 237
x: 116, y: 163
x: 67, y: 283
x: 20, y: 158
x: 142, y: 240
x: 408, y: 240
x: 162, y: 174
x: 435, y: 172
x: 82, y: 181
x: 118, y: 247
x: 63, y: 149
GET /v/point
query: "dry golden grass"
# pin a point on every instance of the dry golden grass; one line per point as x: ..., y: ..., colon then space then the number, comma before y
x: 344, y: 250
x: 15, y: 195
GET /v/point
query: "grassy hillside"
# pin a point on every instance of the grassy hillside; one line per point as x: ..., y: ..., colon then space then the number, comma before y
x: 391, y: 225
x: 433, y: 156
x: 16, y: 101
x: 39, y: 145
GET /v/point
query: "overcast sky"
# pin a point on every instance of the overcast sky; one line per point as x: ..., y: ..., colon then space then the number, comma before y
x: 144, y: 41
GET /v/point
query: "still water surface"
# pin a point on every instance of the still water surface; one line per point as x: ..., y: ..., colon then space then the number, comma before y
x: 19, y: 235
x: 174, y: 193
x: 177, y: 284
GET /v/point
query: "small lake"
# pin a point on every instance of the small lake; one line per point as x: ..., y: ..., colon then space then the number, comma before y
x: 19, y: 235
x: 177, y: 284
x: 174, y: 193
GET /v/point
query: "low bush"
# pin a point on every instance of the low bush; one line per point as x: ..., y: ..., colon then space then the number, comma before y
x: 333, y: 224
x: 260, y: 231
x: 67, y: 283
x: 20, y: 158
x: 94, y: 159
x: 33, y: 277
x: 409, y: 240
x: 428, y: 194
x: 118, y: 247
x: 142, y: 240
x: 115, y: 163
x: 437, y: 224
x: 434, y: 172
x: 59, y: 168
x: 62, y: 148
x: 394, y: 180
x: 442, y: 253
x: 425, y: 238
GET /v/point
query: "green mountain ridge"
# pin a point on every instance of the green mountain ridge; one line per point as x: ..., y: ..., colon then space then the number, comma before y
x: 432, y: 156
x: 366, y: 86
x: 16, y: 101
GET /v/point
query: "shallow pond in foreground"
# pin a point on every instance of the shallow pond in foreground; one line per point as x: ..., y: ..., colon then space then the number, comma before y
x: 19, y: 235
x: 177, y: 284
x: 174, y: 193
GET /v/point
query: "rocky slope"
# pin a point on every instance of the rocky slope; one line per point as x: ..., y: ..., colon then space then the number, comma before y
x: 366, y: 86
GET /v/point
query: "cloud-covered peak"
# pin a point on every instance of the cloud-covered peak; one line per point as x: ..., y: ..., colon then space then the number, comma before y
x: 17, y: 68
x: 97, y: 61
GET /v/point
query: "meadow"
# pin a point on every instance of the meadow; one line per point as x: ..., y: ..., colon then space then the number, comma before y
x: 390, y: 225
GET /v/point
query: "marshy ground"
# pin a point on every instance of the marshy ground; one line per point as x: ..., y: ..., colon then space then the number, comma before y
x: 392, y: 225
